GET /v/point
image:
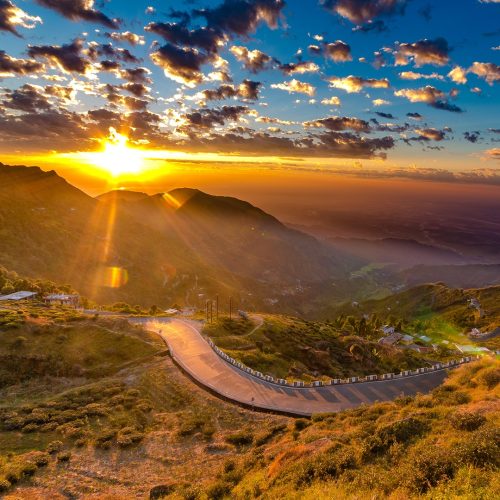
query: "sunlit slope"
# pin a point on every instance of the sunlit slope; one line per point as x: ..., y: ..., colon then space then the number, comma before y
x: 151, y: 249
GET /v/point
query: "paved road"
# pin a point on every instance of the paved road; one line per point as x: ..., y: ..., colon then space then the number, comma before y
x: 195, y: 356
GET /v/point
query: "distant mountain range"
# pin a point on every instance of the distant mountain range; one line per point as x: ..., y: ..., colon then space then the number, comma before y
x: 182, y: 246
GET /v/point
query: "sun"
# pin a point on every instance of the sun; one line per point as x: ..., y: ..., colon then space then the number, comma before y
x: 117, y: 157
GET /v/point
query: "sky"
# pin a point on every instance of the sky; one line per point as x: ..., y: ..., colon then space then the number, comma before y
x: 369, y: 88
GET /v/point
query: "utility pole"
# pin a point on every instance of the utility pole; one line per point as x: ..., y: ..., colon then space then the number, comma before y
x: 217, y: 307
x: 206, y: 310
x: 211, y: 311
x: 230, y: 307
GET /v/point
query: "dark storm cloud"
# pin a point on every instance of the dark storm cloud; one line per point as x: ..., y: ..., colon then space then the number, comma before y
x: 362, y: 11
x: 79, y: 10
x: 27, y: 98
x: 423, y: 52
x: 338, y: 123
x: 69, y: 58
x: 248, y: 89
x: 208, y: 118
x: 10, y: 66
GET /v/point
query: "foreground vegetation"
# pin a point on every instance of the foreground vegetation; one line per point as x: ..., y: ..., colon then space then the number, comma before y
x: 86, y: 400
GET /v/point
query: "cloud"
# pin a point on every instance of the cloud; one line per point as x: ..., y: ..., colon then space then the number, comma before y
x: 380, y: 102
x: 362, y: 11
x: 355, y: 84
x: 414, y: 116
x: 472, y: 137
x: 338, y: 51
x: 253, y: 60
x: 135, y: 75
x: 488, y: 71
x: 79, y: 10
x: 411, y: 75
x: 431, y: 134
x: 458, y: 75
x: 248, y: 89
x: 388, y: 116
x: 331, y: 101
x: 27, y: 98
x: 207, y: 39
x: 208, y: 118
x: 9, y: 66
x: 182, y: 65
x: 339, y: 123
x: 242, y: 17
x: 127, y: 36
x: 295, y: 86
x: 69, y: 58
x: 493, y: 154
x: 12, y: 16
x: 435, y: 52
x: 429, y: 95
x: 299, y: 68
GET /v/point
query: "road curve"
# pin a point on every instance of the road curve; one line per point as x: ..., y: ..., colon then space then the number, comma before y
x: 193, y: 354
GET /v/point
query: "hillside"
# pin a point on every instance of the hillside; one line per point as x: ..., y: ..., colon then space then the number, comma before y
x: 178, y: 247
x: 114, y: 402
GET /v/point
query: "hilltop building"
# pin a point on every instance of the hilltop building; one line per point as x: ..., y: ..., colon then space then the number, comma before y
x: 23, y: 295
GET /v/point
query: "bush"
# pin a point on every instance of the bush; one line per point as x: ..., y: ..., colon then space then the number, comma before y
x: 4, y: 485
x: 218, y: 490
x: 65, y: 456
x: 300, y: 424
x: 161, y: 491
x: 467, y: 421
x: 481, y: 449
x: 490, y: 377
x: 54, y: 447
x: 427, y: 467
x: 401, y: 431
x: 242, y: 438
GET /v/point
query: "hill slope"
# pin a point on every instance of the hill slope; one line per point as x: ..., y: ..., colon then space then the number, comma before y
x: 175, y: 247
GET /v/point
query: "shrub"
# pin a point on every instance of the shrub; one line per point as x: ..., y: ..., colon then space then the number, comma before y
x: 218, y: 490
x: 242, y: 438
x: 427, y: 467
x: 401, y: 431
x: 481, y: 449
x: 467, y: 421
x: 490, y: 377
x: 64, y: 456
x: 4, y: 485
x: 54, y: 447
x: 161, y: 491
x: 300, y: 424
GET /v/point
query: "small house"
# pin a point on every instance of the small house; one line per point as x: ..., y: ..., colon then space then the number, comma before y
x: 16, y: 296
x: 71, y: 300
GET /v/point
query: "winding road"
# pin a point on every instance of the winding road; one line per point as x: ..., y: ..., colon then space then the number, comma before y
x: 193, y: 354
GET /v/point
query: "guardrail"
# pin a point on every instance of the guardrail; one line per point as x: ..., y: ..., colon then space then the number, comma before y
x: 337, y: 381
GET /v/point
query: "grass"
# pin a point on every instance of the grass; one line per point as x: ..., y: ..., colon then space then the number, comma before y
x: 139, y: 426
x: 292, y: 348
